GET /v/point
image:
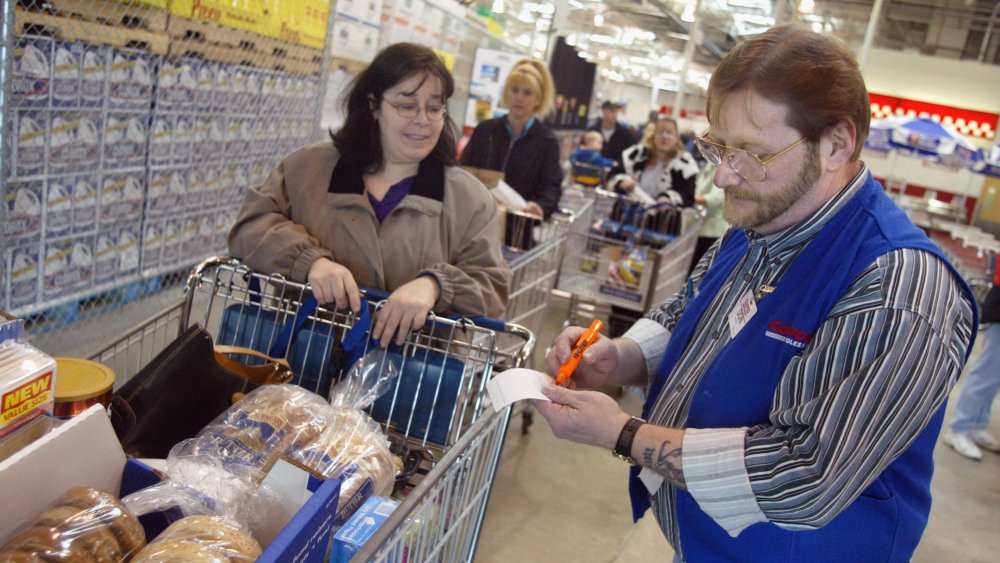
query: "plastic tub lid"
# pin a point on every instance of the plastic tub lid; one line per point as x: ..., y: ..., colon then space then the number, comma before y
x: 78, y: 379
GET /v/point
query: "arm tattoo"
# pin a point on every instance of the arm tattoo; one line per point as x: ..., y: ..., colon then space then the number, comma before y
x: 666, y: 461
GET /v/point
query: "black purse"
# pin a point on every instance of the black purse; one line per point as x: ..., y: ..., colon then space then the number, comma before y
x: 182, y: 389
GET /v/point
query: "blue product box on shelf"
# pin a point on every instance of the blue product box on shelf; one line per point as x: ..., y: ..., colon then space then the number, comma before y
x: 360, y: 527
x: 305, y: 539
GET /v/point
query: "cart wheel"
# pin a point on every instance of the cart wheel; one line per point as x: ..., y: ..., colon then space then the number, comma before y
x: 527, y: 417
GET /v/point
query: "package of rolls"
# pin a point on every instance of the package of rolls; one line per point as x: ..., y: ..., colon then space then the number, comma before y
x: 83, y: 524
x: 221, y: 471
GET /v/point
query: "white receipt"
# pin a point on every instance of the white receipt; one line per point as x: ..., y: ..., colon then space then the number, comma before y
x: 516, y: 384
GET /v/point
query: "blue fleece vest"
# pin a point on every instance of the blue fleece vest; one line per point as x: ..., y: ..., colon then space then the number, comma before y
x: 883, y: 524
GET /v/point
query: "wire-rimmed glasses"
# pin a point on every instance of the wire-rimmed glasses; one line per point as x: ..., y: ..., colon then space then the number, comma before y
x: 745, y: 163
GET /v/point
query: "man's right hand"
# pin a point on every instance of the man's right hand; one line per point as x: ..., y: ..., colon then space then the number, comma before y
x: 598, y: 363
x: 333, y: 283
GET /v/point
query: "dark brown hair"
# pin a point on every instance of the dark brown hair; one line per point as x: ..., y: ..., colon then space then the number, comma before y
x: 359, y: 136
x: 816, y: 77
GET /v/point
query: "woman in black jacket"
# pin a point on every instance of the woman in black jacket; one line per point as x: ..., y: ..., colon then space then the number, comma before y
x: 518, y: 144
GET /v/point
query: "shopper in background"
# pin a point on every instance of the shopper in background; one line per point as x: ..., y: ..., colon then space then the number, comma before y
x: 617, y: 136
x: 711, y: 199
x: 967, y: 431
x: 519, y: 144
x: 797, y: 385
x: 659, y: 167
x: 383, y: 206
x: 590, y: 151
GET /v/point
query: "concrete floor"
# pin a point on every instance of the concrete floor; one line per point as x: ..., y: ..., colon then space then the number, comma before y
x: 557, y: 501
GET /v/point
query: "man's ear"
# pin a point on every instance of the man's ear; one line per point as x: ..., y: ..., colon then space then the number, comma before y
x: 837, y: 145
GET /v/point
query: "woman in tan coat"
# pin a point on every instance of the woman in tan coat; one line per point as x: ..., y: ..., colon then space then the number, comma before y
x: 383, y: 206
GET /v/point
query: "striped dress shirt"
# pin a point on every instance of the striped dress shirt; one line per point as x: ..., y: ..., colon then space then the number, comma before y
x: 903, y: 325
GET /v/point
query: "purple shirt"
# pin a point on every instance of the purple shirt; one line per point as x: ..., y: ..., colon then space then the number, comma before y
x: 392, y: 198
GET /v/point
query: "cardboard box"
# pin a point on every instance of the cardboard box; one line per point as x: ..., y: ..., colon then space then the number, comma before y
x: 125, y: 140
x: 105, y: 256
x: 75, y: 141
x: 166, y: 193
x: 121, y: 198
x: 130, y: 81
x: 205, y: 86
x: 183, y: 137
x: 31, y: 78
x: 173, y: 231
x: 23, y: 264
x: 152, y: 245
x: 94, y: 75
x: 85, y: 189
x: 127, y: 242
x: 245, y: 14
x: 58, y: 207
x: 176, y: 83
x: 23, y: 220
x: 30, y: 143
x: 360, y: 527
x: 161, y: 142
x: 69, y: 266
x: 85, y: 452
x: 66, y: 69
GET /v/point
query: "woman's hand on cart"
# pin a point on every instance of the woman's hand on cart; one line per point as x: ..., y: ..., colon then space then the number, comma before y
x: 533, y: 208
x: 333, y: 283
x: 405, y: 310
x: 599, y: 361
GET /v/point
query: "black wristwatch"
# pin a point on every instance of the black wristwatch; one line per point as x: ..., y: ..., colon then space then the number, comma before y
x: 623, y: 448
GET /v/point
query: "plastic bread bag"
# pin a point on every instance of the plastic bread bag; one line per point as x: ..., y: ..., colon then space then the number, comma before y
x: 354, y: 449
x: 200, y: 538
x: 83, y: 524
x: 369, y: 377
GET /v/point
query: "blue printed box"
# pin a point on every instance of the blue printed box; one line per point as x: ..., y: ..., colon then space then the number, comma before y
x: 360, y: 527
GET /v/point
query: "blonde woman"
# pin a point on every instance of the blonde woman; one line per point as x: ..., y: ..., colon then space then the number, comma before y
x: 659, y: 167
x: 518, y: 144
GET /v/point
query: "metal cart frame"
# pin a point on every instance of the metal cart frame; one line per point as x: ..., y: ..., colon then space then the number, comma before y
x: 665, y: 236
x: 442, y: 514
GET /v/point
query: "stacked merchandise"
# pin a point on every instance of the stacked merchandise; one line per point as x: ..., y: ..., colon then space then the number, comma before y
x: 128, y: 163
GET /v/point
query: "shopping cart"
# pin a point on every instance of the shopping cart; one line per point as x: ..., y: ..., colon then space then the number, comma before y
x: 589, y: 175
x: 474, y: 431
x: 627, y: 253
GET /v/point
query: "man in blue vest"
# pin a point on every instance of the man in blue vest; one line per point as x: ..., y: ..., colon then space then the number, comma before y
x: 796, y: 386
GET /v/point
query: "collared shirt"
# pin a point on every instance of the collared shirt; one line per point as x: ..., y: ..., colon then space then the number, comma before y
x: 741, y: 476
x: 510, y: 131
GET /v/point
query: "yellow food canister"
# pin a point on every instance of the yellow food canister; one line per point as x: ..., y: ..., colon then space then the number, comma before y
x: 81, y: 383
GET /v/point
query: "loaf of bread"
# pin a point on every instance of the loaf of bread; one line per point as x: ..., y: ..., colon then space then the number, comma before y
x: 352, y: 448
x: 82, y: 525
x: 201, y: 538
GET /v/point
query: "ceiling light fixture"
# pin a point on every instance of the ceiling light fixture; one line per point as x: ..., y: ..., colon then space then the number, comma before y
x: 807, y: 6
x: 688, y: 14
x: 598, y: 20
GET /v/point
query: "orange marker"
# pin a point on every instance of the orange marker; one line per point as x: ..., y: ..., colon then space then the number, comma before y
x: 584, y: 342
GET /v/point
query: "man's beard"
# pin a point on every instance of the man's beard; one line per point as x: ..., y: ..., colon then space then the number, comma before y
x: 770, y: 207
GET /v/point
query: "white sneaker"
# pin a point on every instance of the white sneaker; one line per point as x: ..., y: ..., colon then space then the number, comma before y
x: 983, y: 439
x: 962, y: 443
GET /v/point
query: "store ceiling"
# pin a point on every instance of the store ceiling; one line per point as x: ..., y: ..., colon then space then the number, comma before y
x: 643, y: 40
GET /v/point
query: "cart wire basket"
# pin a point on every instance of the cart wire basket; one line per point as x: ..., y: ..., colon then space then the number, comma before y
x: 627, y: 253
x: 447, y: 494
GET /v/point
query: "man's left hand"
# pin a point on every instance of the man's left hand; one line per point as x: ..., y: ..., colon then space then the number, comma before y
x: 405, y: 310
x: 586, y: 417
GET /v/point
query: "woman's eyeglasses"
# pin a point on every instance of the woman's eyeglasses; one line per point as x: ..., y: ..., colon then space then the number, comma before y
x: 410, y: 110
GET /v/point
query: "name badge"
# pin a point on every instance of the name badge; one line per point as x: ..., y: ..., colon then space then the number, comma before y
x: 741, y: 314
x: 651, y: 479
